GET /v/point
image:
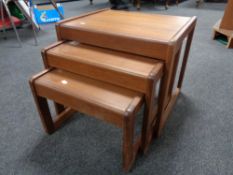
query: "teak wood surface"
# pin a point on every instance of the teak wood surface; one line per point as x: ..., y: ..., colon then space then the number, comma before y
x: 110, y: 103
x: 123, y: 69
x: 156, y: 36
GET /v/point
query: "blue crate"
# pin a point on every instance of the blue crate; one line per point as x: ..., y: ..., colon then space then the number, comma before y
x: 45, y: 14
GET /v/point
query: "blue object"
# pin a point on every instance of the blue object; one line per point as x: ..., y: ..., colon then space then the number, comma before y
x: 45, y: 14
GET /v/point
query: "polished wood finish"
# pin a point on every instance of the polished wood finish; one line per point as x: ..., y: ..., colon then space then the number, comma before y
x: 110, y: 68
x: 107, y: 102
x: 156, y: 36
x: 113, y: 99
x: 107, y: 65
x: 126, y: 70
x: 144, y: 34
x: 168, y: 98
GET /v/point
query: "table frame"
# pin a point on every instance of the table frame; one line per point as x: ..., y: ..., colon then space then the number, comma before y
x: 166, y: 52
x: 167, y: 97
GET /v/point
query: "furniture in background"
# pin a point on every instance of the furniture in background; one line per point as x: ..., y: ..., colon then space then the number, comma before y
x: 224, y: 27
x: 26, y: 7
x: 53, y: 2
x: 4, y: 8
x: 198, y: 2
x: 137, y: 3
x: 166, y: 3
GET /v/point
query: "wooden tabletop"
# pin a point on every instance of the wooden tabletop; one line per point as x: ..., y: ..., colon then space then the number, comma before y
x: 132, y: 24
x: 108, y: 59
x: 134, y: 32
x: 76, y: 87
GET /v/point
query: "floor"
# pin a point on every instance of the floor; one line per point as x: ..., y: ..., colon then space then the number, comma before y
x: 197, y: 140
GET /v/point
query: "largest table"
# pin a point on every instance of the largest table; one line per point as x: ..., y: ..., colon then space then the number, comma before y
x: 156, y: 36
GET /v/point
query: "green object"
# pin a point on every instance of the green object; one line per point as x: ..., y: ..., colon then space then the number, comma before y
x: 15, y: 11
x: 222, y: 39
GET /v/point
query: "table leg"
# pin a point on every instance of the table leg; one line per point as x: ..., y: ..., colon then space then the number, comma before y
x: 167, y: 99
x: 149, y: 116
x: 185, y: 59
x: 128, y: 152
x: 164, y: 96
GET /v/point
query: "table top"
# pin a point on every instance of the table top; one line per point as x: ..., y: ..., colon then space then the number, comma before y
x: 132, y: 24
x: 73, y: 51
x: 134, y: 32
x: 80, y: 88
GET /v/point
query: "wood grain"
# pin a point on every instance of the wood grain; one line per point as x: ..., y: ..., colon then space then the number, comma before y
x: 107, y: 102
x: 143, y: 34
x: 127, y: 70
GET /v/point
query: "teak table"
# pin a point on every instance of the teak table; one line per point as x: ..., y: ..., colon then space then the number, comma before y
x: 131, y: 71
x: 156, y: 36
